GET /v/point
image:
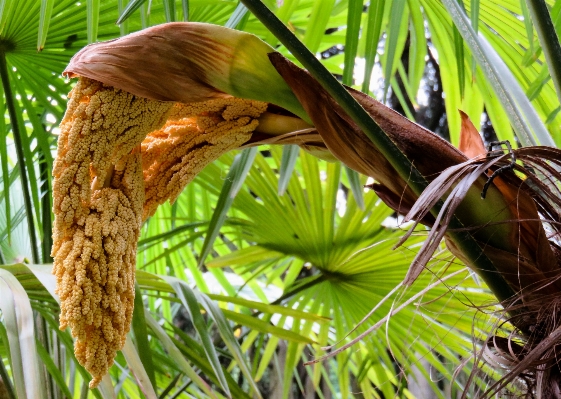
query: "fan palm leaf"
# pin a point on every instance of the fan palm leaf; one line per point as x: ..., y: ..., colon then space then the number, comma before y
x: 339, y: 252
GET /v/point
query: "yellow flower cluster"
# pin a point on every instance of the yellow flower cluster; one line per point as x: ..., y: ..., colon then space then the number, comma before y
x: 194, y: 136
x: 98, y: 199
x: 119, y: 157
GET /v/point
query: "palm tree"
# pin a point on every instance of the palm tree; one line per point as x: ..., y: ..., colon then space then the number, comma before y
x: 291, y: 270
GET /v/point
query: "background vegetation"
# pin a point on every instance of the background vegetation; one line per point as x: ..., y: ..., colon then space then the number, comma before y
x: 270, y: 254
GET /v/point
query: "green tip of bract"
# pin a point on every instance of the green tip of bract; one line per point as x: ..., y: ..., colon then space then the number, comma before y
x: 187, y: 62
x: 247, y: 72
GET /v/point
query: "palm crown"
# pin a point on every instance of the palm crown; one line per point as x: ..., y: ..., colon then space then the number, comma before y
x: 292, y: 268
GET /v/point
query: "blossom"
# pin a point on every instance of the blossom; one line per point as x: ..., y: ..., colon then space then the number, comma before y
x: 98, y: 201
x: 119, y: 157
x: 193, y: 136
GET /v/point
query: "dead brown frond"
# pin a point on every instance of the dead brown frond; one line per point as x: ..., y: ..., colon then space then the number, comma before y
x: 531, y: 355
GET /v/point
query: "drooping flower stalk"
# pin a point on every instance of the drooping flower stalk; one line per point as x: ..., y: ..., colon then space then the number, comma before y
x: 123, y: 152
x: 119, y: 157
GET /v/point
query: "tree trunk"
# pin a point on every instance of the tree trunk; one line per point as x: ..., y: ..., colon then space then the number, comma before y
x: 418, y: 384
x: 3, y: 390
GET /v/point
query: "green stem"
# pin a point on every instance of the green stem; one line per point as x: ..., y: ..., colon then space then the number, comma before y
x: 7, y: 389
x: 463, y: 240
x: 141, y: 335
x: 20, y: 156
x: 548, y: 40
x: 351, y: 39
x: 46, y: 210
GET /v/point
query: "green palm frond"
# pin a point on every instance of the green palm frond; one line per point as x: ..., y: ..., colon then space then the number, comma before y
x: 337, y: 261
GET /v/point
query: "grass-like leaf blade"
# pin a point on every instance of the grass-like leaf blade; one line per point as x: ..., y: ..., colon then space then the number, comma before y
x: 136, y: 365
x: 355, y: 186
x: 92, y: 19
x: 18, y: 318
x: 52, y: 368
x: 44, y: 20
x: 176, y: 355
x: 141, y: 336
x: 131, y: 7
x: 189, y: 301
x: 234, y: 180
x: 288, y: 161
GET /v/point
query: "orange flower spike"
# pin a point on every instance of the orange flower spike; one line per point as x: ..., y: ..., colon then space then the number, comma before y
x: 106, y: 183
x: 194, y: 136
x: 98, y: 199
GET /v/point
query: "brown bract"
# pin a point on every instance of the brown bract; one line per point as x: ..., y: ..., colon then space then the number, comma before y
x: 159, y: 63
x: 349, y: 144
x: 471, y: 143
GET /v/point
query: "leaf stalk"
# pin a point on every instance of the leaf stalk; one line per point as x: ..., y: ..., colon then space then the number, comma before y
x: 20, y: 156
x: 548, y: 40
